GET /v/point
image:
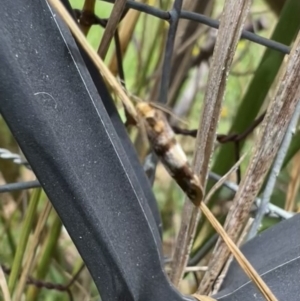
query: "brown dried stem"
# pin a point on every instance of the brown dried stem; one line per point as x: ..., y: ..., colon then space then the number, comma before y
x: 240, y: 258
x: 111, y: 27
x: 278, y: 116
x: 114, y: 85
x: 294, y: 184
x: 223, y: 274
x: 246, y: 266
x: 203, y: 298
x: 182, y: 60
x: 126, y: 30
x: 32, y: 250
x: 223, y: 138
x: 231, y: 25
x: 4, y: 286
x: 88, y: 10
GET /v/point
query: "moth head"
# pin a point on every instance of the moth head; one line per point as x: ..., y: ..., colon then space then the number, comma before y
x: 147, y: 112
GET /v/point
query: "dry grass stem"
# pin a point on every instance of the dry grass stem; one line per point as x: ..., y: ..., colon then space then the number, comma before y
x: 240, y: 258
x: 275, y: 170
x: 191, y: 269
x: 110, y: 79
x: 4, y: 286
x: 273, y: 129
x: 126, y: 30
x: 223, y: 274
x: 231, y: 25
x: 294, y: 183
x: 32, y: 251
x: 87, y: 10
x: 184, y: 105
x: 224, y: 179
x: 111, y: 27
x: 187, y: 29
x: 203, y: 298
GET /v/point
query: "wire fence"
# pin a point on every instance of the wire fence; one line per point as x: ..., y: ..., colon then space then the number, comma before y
x: 5, y: 154
x: 172, y: 16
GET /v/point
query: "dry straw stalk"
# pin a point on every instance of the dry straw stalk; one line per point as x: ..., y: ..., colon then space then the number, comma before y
x: 278, y: 116
x: 231, y: 25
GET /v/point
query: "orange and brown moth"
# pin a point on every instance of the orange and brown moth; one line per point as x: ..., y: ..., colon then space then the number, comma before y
x: 160, y: 134
x: 169, y: 151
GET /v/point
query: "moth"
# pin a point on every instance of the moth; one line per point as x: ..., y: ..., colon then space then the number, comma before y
x: 159, y: 132
x: 164, y: 144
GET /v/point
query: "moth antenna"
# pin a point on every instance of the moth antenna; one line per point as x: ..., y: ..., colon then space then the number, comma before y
x: 168, y: 111
x: 136, y: 98
x: 121, y: 81
x: 157, y: 106
x: 128, y: 93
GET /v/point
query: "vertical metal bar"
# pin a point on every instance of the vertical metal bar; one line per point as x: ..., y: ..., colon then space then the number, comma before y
x: 166, y: 68
x: 174, y: 13
x: 265, y: 200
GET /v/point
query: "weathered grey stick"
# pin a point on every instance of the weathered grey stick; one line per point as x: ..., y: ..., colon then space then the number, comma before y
x: 265, y: 200
x: 231, y: 25
x: 278, y: 116
x: 272, y: 210
x: 111, y: 27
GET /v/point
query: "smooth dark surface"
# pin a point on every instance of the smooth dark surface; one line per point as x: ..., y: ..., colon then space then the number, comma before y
x: 275, y: 254
x: 54, y: 110
x: 120, y: 129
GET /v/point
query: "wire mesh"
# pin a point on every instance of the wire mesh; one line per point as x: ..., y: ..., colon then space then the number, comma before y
x: 202, y: 19
x: 272, y: 210
x: 172, y: 16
